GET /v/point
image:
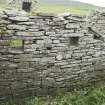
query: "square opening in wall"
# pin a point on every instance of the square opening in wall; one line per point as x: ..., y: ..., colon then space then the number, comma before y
x: 16, y: 43
x: 26, y: 6
x: 96, y: 37
x: 34, y: 41
x: 74, y: 41
x: 49, y: 48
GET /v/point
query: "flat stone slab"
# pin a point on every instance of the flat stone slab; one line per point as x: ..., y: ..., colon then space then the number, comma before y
x: 16, y: 27
x: 72, y: 25
x: 30, y: 34
x: 11, y: 13
x: 19, y: 19
x: 46, y: 14
x: 74, y: 35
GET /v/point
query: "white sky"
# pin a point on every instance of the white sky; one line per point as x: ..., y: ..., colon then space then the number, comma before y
x: 95, y: 2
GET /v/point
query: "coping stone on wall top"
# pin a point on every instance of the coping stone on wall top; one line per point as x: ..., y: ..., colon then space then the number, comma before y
x: 46, y: 14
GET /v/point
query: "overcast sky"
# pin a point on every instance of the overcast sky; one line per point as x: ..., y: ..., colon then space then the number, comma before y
x: 95, y: 2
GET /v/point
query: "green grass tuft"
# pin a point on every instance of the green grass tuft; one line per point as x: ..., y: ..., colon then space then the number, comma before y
x: 92, y: 96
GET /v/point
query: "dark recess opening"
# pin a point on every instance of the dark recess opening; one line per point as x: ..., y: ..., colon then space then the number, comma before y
x: 26, y: 6
x: 73, y: 41
x: 96, y: 37
x: 49, y: 48
x: 34, y: 41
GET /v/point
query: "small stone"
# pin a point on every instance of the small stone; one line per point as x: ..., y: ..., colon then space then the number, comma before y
x: 27, y: 23
x: 56, y: 41
x: 59, y: 57
x: 40, y: 41
x: 72, y: 25
x: 67, y: 56
x: 4, y: 22
x: 73, y: 35
x: 15, y: 52
x: 4, y: 42
x: 16, y: 27
x: 29, y: 34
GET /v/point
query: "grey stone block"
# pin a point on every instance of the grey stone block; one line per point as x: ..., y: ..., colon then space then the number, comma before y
x: 46, y: 14
x: 17, y: 27
x: 72, y: 25
x: 11, y: 13
x: 19, y: 19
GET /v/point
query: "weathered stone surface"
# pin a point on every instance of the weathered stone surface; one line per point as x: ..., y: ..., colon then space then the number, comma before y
x: 29, y: 34
x: 74, y: 35
x: 4, y: 22
x: 46, y: 52
x: 4, y: 42
x: 27, y: 23
x: 46, y: 14
x: 15, y: 52
x: 59, y: 56
x: 19, y: 19
x: 72, y: 25
x: 17, y: 27
x: 11, y: 13
x: 56, y: 41
x: 76, y: 19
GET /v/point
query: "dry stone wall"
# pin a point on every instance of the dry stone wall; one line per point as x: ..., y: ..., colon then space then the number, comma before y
x: 42, y: 53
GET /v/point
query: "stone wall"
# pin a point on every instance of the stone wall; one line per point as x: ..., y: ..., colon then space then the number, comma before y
x: 44, y: 52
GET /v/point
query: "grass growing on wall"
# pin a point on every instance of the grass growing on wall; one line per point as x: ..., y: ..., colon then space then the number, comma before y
x: 16, y: 42
x: 93, y: 96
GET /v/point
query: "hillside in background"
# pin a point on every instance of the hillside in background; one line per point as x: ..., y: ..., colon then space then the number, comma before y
x: 60, y: 6
x: 66, y: 3
x: 67, y: 6
x: 2, y: 3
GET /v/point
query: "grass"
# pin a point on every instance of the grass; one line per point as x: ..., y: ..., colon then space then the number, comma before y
x: 61, y: 9
x: 92, y: 96
x: 16, y: 42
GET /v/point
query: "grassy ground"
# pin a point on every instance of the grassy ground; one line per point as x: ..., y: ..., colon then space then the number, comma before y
x: 56, y: 8
x: 92, y: 96
x: 62, y: 9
